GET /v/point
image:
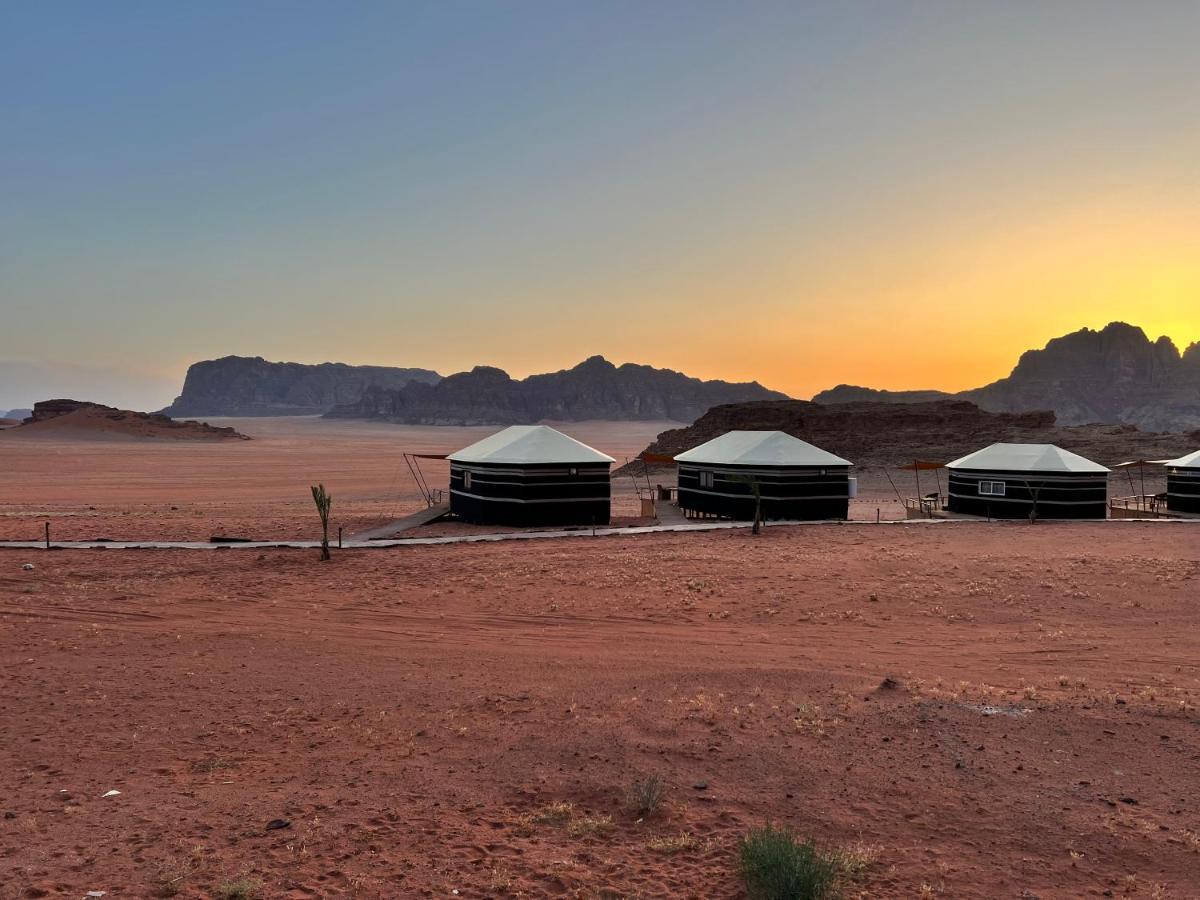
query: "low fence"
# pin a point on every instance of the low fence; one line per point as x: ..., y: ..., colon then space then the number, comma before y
x: 1138, y: 506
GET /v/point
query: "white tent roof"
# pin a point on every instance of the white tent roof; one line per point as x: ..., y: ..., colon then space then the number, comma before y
x: 1026, y: 458
x: 1191, y: 461
x: 760, y: 448
x: 529, y: 445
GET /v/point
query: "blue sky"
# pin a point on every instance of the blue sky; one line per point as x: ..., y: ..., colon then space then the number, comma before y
x: 780, y: 191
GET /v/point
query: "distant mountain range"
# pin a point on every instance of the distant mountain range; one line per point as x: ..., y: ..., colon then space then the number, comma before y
x: 251, y: 386
x: 1116, y: 375
x: 594, y: 389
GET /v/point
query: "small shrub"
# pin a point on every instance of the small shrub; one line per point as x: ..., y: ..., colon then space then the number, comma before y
x: 646, y: 796
x: 776, y: 866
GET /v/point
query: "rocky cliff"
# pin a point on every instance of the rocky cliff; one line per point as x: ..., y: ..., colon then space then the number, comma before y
x: 852, y: 393
x: 594, y: 389
x: 251, y: 386
x: 1115, y: 375
x: 892, y: 434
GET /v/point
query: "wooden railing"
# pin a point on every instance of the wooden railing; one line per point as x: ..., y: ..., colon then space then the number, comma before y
x: 926, y: 507
x: 1138, y: 506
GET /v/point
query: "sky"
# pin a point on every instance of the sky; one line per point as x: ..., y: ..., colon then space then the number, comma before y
x: 895, y: 194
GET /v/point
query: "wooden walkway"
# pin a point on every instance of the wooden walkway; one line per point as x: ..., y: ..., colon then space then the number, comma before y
x: 670, y: 514
x: 709, y: 525
x: 383, y: 532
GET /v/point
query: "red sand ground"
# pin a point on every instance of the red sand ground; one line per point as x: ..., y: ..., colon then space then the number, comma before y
x: 187, y: 490
x: 413, y: 713
x: 192, y: 490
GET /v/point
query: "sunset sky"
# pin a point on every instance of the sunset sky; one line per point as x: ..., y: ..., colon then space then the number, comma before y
x: 896, y: 194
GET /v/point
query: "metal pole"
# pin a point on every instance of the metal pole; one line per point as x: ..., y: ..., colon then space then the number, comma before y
x: 339, y: 537
x: 47, y: 535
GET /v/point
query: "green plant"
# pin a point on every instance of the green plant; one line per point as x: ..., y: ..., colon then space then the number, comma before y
x: 323, y: 501
x: 777, y: 866
x: 756, y: 493
x: 646, y: 796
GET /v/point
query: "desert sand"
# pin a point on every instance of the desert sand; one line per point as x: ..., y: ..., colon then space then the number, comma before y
x: 974, y: 710
x: 93, y: 488
x: 422, y: 718
x: 192, y: 490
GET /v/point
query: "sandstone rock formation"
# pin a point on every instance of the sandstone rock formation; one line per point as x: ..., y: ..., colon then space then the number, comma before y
x: 252, y: 386
x: 853, y: 393
x: 896, y: 433
x: 594, y: 389
x: 81, y: 419
x: 1115, y: 375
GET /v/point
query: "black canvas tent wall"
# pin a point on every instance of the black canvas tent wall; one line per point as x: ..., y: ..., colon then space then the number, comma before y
x: 1183, y: 484
x: 530, y: 475
x: 795, y: 480
x: 1006, y: 481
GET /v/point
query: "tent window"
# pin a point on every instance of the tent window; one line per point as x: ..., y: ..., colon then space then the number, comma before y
x: 467, y: 480
x: 992, y: 488
x: 706, y: 479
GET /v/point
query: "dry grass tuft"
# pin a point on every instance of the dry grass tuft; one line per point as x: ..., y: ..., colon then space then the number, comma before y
x: 238, y: 889
x: 854, y: 859
x: 557, y: 814
x: 669, y: 845
x: 590, y: 825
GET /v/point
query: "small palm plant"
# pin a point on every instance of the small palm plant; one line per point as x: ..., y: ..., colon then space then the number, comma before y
x: 756, y: 492
x: 323, y: 501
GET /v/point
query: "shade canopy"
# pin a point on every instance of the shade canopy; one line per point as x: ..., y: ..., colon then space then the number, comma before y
x: 1191, y: 461
x: 529, y: 445
x: 1026, y: 458
x: 760, y: 448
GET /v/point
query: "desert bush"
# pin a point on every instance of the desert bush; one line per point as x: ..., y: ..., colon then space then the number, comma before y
x: 777, y: 866
x: 646, y: 795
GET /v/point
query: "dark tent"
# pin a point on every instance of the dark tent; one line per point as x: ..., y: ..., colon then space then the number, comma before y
x: 1008, y: 481
x: 1183, y: 484
x: 530, y: 475
x: 793, y: 479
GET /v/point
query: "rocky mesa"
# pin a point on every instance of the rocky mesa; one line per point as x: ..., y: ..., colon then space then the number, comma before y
x: 594, y: 389
x: 1114, y: 375
x: 80, y: 419
x: 252, y: 386
x: 889, y: 434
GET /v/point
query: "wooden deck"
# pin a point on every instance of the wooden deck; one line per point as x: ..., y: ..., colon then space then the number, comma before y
x: 417, y: 519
